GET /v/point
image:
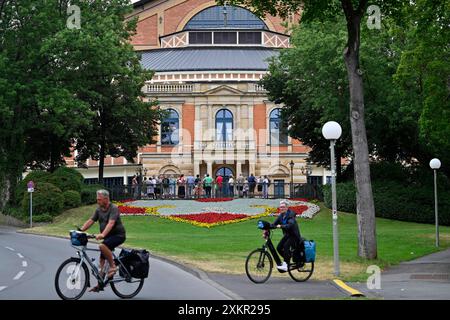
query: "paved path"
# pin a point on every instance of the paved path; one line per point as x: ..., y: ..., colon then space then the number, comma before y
x: 28, y: 266
x: 425, y: 278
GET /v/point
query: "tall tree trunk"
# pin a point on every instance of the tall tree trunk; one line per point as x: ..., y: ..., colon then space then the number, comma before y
x: 101, y: 163
x: 367, y: 244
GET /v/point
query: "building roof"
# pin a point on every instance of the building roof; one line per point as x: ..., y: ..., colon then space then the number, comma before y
x: 207, y: 59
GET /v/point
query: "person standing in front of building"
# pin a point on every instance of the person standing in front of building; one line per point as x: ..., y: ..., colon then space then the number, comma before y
x: 251, y: 185
x: 240, y: 184
x: 190, y: 183
x: 198, y: 187
x: 219, y: 182
x: 207, y: 183
x: 134, y: 187
x: 181, y: 182
x: 231, y: 186
x: 265, y: 185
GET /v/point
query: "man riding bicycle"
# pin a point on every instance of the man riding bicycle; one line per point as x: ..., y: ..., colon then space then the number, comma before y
x: 112, y: 231
x: 291, y: 233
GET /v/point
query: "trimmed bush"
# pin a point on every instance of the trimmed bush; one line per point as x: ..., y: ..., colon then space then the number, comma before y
x: 47, y: 198
x: 394, y: 200
x: 89, y: 193
x: 42, y: 218
x: 72, y: 199
x: 67, y: 179
x: 35, y: 176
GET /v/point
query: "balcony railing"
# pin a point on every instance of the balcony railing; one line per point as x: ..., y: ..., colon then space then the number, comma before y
x: 174, y: 190
x: 169, y: 88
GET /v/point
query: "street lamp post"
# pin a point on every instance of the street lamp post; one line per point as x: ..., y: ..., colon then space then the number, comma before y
x: 291, y: 164
x: 332, y: 131
x: 435, y: 164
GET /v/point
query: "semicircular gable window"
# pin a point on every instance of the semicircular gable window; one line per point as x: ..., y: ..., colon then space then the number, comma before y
x: 222, y: 17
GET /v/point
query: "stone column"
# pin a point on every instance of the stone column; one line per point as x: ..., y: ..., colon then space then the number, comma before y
x: 238, y: 169
x: 196, y: 168
x: 125, y: 177
x: 209, y: 165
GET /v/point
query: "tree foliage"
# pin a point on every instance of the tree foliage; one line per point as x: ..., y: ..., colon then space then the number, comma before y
x: 65, y: 87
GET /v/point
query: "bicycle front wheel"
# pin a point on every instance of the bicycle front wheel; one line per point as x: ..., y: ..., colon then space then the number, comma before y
x: 71, y: 279
x: 258, y: 266
x: 301, y: 272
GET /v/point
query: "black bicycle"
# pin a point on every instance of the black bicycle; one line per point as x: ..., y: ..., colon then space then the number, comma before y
x: 72, y: 277
x: 259, y: 263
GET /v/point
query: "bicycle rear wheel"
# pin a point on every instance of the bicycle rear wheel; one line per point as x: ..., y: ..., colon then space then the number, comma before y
x: 258, y: 266
x: 128, y: 287
x: 301, y: 272
x: 71, y: 279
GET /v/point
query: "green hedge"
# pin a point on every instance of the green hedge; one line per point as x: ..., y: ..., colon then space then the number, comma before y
x: 89, y: 193
x: 66, y: 179
x: 35, y: 176
x: 47, y: 198
x: 43, y: 218
x: 72, y: 199
x: 394, y: 200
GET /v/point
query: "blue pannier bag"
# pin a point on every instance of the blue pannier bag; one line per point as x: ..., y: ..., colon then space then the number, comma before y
x: 310, y: 250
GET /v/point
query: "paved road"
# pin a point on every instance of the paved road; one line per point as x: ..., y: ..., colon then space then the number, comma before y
x: 28, y: 265
x: 278, y: 288
x: 426, y: 278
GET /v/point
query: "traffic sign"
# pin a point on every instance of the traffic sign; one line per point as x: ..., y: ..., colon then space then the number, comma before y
x: 30, y: 186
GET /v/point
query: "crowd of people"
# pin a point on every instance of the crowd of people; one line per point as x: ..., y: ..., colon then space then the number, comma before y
x: 171, y: 187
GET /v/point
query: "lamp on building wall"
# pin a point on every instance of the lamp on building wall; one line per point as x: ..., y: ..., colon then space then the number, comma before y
x: 332, y: 131
x: 306, y: 170
x: 291, y: 164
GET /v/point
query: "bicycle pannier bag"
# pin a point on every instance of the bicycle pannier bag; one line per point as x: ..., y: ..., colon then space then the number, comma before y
x: 136, y: 262
x: 310, y: 250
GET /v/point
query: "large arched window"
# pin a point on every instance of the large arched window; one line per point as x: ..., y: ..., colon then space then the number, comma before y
x: 278, y: 133
x: 170, y: 133
x: 224, y: 172
x: 220, y: 17
x: 224, y: 125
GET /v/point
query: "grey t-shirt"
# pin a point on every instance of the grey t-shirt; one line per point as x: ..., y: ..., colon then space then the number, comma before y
x: 103, y: 218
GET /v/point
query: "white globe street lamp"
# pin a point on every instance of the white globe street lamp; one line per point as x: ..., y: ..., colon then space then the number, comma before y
x: 332, y: 131
x: 435, y: 164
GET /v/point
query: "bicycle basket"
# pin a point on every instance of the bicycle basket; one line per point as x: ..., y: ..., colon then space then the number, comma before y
x: 263, y: 225
x: 78, y: 238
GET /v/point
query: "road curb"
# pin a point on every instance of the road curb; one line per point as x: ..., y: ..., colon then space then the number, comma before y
x: 346, y: 288
x: 200, y: 274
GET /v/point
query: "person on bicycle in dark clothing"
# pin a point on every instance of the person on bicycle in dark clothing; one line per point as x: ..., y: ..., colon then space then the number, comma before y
x: 291, y: 233
x: 112, y: 231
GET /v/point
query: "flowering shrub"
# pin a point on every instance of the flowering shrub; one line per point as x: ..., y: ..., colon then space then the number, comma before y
x: 212, y: 219
x: 297, y: 209
x: 125, y: 210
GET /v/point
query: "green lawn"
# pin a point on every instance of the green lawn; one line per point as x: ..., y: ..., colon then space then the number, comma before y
x: 224, y: 248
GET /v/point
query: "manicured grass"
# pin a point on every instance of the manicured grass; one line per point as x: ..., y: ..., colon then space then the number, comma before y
x: 225, y: 248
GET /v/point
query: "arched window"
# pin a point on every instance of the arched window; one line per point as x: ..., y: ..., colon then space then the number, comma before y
x: 224, y: 172
x: 170, y: 133
x: 220, y: 17
x: 224, y: 125
x: 278, y: 134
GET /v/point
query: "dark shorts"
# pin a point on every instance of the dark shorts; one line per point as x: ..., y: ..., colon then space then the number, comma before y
x: 113, y: 241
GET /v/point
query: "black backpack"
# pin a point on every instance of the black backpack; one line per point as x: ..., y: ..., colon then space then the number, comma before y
x: 136, y: 262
